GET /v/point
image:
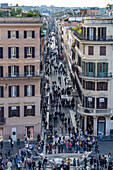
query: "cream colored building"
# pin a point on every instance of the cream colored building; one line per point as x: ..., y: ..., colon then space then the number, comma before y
x: 92, y: 69
x: 20, y: 78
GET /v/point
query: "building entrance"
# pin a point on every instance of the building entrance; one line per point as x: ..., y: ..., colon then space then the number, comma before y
x: 90, y: 125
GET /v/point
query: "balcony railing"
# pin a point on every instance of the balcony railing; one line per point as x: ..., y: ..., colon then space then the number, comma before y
x: 92, y: 111
x: 96, y: 75
x: 22, y: 75
x: 93, y: 38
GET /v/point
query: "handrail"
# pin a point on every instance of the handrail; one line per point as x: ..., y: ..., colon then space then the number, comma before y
x: 93, y: 38
x: 93, y: 110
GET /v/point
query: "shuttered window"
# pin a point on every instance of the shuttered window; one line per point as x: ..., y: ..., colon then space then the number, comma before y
x: 29, y: 90
x: 14, y: 111
x: 29, y: 110
x: 1, y: 52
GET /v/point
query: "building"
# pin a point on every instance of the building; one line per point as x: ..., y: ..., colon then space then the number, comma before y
x: 92, y: 69
x: 20, y: 78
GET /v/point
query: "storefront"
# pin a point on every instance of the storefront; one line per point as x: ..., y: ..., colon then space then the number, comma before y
x: 101, y: 125
x: 1, y: 134
x: 90, y: 125
x: 29, y: 131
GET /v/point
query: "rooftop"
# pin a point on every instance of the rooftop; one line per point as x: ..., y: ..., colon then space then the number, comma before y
x: 20, y: 20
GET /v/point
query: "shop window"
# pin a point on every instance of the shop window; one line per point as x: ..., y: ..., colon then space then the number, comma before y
x: 1, y: 134
x: 29, y: 131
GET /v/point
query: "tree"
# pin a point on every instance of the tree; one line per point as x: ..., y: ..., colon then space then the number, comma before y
x: 18, y: 10
x: 29, y: 14
x: 13, y: 14
x: 1, y: 14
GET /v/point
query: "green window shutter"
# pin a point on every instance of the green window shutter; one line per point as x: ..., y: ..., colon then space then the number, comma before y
x: 83, y: 66
x: 106, y: 67
x: 98, y: 68
x: 87, y: 67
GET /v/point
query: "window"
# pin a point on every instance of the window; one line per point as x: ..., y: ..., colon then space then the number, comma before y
x: 13, y: 34
x: 90, y: 67
x: 13, y: 71
x: 83, y: 49
x: 79, y: 60
x: 102, y: 86
x: 14, y: 111
x: 1, y: 91
x: 29, y: 110
x: 102, y: 33
x: 91, y: 33
x: 29, y: 52
x: 13, y: 91
x: 90, y: 50
x: 1, y: 52
x: 29, y: 132
x: 90, y: 102
x: 29, y: 70
x: 1, y: 71
x: 90, y: 85
x: 13, y: 52
x: 29, y: 90
x: 101, y: 103
x: 102, y: 69
x: 1, y: 114
x: 103, y: 50
x: 29, y: 34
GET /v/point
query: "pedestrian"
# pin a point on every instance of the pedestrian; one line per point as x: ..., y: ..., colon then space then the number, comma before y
x: 101, y: 137
x: 1, y: 144
x: 39, y: 165
x: 74, y: 162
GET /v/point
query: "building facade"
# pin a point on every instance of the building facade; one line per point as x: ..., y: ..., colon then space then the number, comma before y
x: 92, y: 69
x: 20, y: 78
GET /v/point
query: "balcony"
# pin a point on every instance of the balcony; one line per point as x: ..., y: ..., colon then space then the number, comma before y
x: 2, y: 120
x: 22, y: 75
x: 95, y: 75
x: 94, y: 112
x: 93, y: 38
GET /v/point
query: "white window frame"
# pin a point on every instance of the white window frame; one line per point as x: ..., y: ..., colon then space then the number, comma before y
x: 29, y: 90
x: 13, y: 108
x: 29, y: 32
x: 13, y: 91
x: 29, y: 55
x: 13, y: 71
x: 29, y: 72
x: 13, y: 52
x: 13, y: 32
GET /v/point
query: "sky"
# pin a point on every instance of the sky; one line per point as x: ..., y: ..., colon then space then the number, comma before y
x: 61, y: 3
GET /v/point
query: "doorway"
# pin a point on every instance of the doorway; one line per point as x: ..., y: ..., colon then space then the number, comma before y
x: 14, y: 133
